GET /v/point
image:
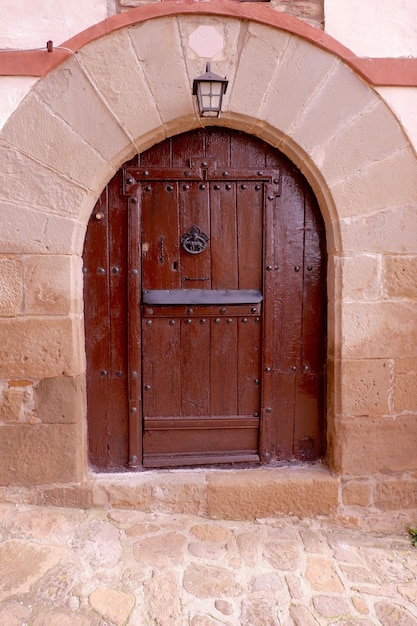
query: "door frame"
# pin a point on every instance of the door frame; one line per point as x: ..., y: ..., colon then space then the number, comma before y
x: 286, y: 433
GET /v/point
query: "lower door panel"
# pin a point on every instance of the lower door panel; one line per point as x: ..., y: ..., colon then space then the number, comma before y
x: 201, y: 384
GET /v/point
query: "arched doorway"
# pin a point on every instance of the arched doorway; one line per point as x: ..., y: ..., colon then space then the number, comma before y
x: 205, y: 307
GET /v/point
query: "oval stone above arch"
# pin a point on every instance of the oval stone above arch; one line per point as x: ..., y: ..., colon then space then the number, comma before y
x: 122, y: 92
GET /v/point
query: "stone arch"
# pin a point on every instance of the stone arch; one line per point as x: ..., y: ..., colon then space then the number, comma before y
x: 122, y: 92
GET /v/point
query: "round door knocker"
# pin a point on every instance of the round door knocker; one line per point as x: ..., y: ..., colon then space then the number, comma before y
x: 194, y: 240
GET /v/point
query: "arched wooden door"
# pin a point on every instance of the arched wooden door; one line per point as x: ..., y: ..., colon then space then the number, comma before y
x: 205, y: 302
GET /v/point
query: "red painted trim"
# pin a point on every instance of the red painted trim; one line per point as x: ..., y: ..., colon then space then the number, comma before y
x: 395, y: 72
x: 30, y: 62
x: 389, y: 71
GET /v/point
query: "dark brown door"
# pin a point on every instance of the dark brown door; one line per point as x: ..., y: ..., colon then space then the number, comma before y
x: 202, y: 314
x: 205, y: 308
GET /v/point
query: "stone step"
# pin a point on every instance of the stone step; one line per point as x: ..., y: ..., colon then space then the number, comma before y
x: 239, y: 494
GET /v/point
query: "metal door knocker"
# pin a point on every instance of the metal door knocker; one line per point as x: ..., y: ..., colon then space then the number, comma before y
x: 194, y: 240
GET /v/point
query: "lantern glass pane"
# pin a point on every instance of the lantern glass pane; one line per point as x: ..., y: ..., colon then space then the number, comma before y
x: 206, y: 101
x: 215, y: 102
x: 216, y: 88
x: 205, y: 88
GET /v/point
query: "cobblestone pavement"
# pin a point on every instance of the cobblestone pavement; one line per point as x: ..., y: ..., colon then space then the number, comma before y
x: 70, y: 567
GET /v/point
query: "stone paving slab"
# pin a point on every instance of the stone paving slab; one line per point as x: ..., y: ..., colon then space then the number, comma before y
x: 73, y: 567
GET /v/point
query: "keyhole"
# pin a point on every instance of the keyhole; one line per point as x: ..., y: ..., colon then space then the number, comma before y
x: 175, y: 266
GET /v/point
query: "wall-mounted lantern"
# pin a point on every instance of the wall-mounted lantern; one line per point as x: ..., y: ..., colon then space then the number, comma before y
x: 209, y: 89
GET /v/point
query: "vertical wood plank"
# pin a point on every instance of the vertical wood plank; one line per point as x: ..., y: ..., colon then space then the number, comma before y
x: 309, y: 427
x: 218, y: 146
x: 135, y: 334
x: 274, y: 159
x: 195, y: 367
x: 249, y: 366
x: 118, y: 406
x: 159, y: 155
x: 244, y: 154
x: 97, y: 330
x: 97, y: 407
x: 194, y: 211
x: 186, y: 146
x: 314, y: 301
x: 285, y: 304
x: 160, y: 236
x: 249, y: 234
x: 224, y: 261
x: 223, y: 366
x: 117, y: 423
x: 161, y: 367
x: 291, y: 261
x: 96, y: 289
x: 289, y: 242
x: 118, y: 245
x: 269, y: 420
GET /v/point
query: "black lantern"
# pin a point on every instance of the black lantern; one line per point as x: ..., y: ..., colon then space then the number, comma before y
x: 209, y: 89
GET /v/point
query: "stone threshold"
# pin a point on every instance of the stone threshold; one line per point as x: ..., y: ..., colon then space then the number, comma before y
x: 233, y: 494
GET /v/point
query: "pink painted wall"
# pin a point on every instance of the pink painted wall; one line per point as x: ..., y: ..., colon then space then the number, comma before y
x: 374, y: 28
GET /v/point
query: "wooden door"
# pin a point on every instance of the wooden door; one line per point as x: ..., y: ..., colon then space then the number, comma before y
x: 216, y: 354
x: 201, y: 244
